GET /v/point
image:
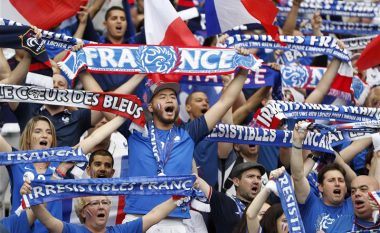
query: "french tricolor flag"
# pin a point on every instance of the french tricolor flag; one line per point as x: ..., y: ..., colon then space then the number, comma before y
x: 163, y: 26
x: 43, y: 14
x: 370, y: 56
x: 222, y: 15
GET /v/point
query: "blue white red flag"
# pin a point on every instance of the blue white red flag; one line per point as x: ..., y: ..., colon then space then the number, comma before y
x: 222, y: 15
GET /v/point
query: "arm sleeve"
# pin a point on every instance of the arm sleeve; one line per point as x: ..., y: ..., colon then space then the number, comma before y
x: 134, y: 226
x: 197, y: 129
x: 15, y: 223
x: 124, y: 128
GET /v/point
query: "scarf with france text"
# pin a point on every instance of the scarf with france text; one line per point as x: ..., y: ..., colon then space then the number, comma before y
x: 58, y: 154
x: 289, y: 203
x: 266, y: 117
x: 270, y: 137
x: 341, y: 8
x: 128, y: 106
x: 309, y: 44
x: 132, y: 59
x: 44, y: 191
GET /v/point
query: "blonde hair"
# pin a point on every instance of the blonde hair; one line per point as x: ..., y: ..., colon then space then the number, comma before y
x: 26, y: 135
x: 79, y: 204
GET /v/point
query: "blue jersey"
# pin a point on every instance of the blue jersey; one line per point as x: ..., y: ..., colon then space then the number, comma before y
x: 318, y: 216
x: 16, y: 224
x: 179, y: 162
x: 206, y: 157
x: 347, y: 223
x: 69, y: 125
x: 129, y: 227
x: 16, y: 177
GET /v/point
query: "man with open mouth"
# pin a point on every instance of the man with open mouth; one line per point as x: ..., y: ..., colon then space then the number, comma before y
x: 227, y: 211
x: 318, y: 214
x: 167, y: 149
x: 361, y: 219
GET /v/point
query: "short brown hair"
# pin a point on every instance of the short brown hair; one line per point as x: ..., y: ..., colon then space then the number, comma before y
x: 329, y: 167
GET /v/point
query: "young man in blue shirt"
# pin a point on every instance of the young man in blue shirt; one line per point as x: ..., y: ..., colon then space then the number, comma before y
x: 361, y: 219
x: 168, y: 149
x: 318, y: 213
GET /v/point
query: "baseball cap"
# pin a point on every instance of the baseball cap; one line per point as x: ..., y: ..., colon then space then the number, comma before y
x: 157, y: 87
x: 242, y: 167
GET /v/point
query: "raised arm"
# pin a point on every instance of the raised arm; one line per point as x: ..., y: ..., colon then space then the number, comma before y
x: 250, y: 106
x: 100, y: 134
x: 19, y: 73
x: 291, y: 19
x: 350, y: 174
x: 90, y: 84
x: 216, y: 112
x: 354, y: 148
x: 375, y: 162
x: 53, y: 224
x: 224, y: 148
x: 258, y: 202
x: 4, y: 145
x: 301, y: 185
x: 158, y: 213
x: 323, y: 86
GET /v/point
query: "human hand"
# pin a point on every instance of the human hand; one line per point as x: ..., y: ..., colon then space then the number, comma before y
x: 83, y: 15
x: 26, y: 188
x: 300, y: 131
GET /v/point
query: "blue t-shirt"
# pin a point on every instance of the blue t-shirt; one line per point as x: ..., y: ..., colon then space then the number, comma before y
x: 346, y: 223
x: 69, y: 126
x: 15, y: 224
x: 142, y: 162
x: 318, y: 216
x: 16, y: 174
x: 129, y: 227
x: 206, y: 157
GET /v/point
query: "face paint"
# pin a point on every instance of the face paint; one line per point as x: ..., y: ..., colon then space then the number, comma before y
x: 284, y: 227
x: 158, y: 106
x: 89, y: 212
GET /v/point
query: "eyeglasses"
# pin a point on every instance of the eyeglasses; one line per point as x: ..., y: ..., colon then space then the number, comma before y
x: 97, y: 203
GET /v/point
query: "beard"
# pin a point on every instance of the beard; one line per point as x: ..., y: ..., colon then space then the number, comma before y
x: 159, y: 114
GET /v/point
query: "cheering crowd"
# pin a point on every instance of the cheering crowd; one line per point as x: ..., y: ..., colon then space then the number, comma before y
x: 269, y: 149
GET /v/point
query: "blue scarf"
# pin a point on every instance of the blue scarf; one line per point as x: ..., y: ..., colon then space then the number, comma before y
x: 59, y: 154
x: 133, y: 59
x: 341, y: 8
x: 264, y: 76
x: 337, y: 27
x: 356, y: 43
x: 269, y: 137
x: 309, y: 44
x: 22, y: 37
x: 52, y: 190
x: 296, y: 110
x: 57, y: 40
x: 289, y: 203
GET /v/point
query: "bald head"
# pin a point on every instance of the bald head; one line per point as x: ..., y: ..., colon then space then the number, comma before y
x: 371, y: 182
x: 360, y: 187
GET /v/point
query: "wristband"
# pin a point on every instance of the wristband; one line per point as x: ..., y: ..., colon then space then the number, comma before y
x: 297, y: 147
x: 59, y: 173
x: 313, y: 157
